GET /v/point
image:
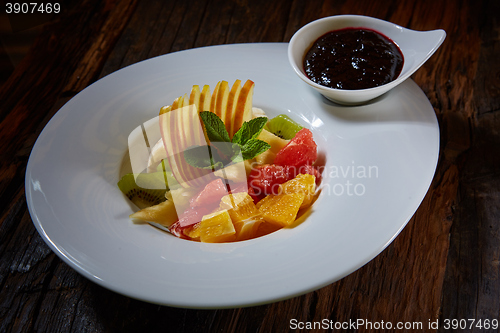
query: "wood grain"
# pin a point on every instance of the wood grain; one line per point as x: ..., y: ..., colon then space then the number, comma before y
x: 444, y: 264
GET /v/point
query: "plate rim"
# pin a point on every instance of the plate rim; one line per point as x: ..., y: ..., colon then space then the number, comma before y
x: 66, y: 257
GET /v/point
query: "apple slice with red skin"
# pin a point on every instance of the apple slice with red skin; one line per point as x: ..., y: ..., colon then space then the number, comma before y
x: 194, y: 97
x: 213, y: 100
x: 205, y: 99
x: 221, y: 100
x: 243, y: 109
x: 231, y: 108
x: 181, y: 129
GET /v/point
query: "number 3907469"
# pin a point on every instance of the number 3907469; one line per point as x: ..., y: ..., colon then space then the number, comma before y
x: 32, y: 8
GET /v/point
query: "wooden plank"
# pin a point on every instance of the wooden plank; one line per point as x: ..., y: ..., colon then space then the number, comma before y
x: 42, y: 78
x: 472, y: 282
x: 29, y: 98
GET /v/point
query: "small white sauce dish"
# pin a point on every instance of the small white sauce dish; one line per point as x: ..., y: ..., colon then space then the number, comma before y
x: 416, y: 46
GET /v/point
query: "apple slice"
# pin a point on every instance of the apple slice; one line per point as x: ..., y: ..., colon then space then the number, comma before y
x: 221, y: 101
x: 181, y: 129
x: 213, y: 100
x: 177, y: 103
x: 243, y: 109
x: 194, y: 97
x: 205, y: 98
x: 231, y: 108
x: 165, y: 109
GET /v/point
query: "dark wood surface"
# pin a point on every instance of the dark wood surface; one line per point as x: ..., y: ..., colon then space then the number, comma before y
x: 445, y: 264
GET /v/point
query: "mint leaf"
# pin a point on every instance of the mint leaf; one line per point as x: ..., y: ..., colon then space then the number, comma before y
x: 253, y: 147
x: 249, y: 130
x: 242, y: 135
x: 216, y: 131
x: 256, y: 125
x: 198, y: 158
x: 243, y: 146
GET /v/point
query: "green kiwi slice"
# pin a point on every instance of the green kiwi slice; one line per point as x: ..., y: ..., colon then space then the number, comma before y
x: 151, y: 192
x: 283, y: 126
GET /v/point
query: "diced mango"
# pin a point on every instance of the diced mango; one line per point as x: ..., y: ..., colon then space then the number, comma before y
x: 217, y: 227
x: 302, y: 183
x: 281, y: 209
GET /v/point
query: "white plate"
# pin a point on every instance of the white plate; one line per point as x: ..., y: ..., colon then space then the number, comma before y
x: 79, y: 211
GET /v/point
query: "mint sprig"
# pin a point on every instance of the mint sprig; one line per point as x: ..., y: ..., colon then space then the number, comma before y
x: 215, y: 128
x: 243, y: 146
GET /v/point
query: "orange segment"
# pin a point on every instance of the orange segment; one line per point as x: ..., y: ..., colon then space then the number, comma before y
x: 193, y: 231
x: 302, y: 183
x: 266, y: 229
x: 216, y: 227
x: 247, y: 229
x: 244, y: 214
x: 281, y: 209
x: 239, y: 205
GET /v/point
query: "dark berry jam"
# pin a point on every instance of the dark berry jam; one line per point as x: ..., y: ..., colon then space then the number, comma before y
x: 353, y: 58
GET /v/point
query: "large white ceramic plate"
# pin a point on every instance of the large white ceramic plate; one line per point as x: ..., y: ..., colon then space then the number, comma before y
x: 379, y: 158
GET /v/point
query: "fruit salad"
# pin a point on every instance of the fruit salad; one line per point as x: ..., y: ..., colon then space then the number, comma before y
x: 222, y: 170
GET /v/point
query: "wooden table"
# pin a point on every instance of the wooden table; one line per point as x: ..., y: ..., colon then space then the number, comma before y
x: 445, y: 264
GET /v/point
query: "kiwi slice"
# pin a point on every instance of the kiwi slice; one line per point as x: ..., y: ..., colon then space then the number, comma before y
x: 150, y: 192
x: 283, y: 127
